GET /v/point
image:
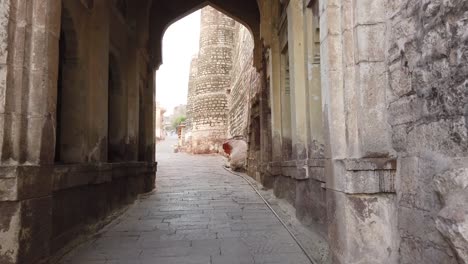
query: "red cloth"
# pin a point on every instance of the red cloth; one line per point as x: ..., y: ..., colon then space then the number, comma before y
x: 227, y: 148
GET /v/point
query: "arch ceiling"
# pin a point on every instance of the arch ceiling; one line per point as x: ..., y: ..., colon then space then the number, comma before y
x: 165, y: 12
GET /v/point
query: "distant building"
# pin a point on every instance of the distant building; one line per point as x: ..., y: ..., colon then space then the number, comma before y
x: 160, y: 131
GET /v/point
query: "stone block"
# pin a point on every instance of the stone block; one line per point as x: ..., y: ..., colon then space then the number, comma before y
x: 406, y: 110
x: 400, y: 80
x: 12, y: 150
x: 445, y: 136
x: 14, y: 95
x: 416, y: 186
x: 399, y: 137
x: 367, y: 176
x: 53, y: 57
x: 34, y: 182
x: 425, y: 230
x: 25, y: 228
x: 38, y: 49
x: 348, y: 50
x: 66, y: 177
x: 54, y: 12
x: 36, y: 230
x: 374, y: 137
x: 395, y: 8
x: 413, y: 250
x: 452, y: 220
x: 362, y: 228
x: 39, y: 104
x: 347, y: 15
x: 317, y: 173
x: 370, y: 43
x: 40, y: 17
x: 10, y: 224
x: 274, y: 168
x: 19, y: 39
x: 332, y: 53
x: 330, y: 22
x: 311, y: 203
x: 289, y: 169
x: 285, y: 188
x: 4, y: 21
x: 24, y: 182
x: 3, y: 87
x: 302, y: 170
x: 40, y: 140
x: 370, y: 11
x: 336, y: 118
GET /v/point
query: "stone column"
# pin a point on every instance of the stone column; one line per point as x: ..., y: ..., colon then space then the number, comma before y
x: 97, y: 119
x: 29, y: 37
x: 360, y: 171
x: 314, y: 93
x: 273, y: 75
x: 298, y: 77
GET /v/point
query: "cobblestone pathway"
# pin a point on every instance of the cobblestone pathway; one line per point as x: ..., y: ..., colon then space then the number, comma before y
x: 199, y: 213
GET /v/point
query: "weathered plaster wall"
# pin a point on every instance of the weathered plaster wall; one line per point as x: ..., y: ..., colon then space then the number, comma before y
x: 428, y: 108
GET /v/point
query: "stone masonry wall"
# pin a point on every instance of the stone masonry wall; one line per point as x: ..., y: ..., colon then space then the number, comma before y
x: 245, y: 82
x: 209, y: 110
x: 428, y: 109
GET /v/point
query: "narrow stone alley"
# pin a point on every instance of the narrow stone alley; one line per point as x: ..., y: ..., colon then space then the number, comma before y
x: 199, y: 213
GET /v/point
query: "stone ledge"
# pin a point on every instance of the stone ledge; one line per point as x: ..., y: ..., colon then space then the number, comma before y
x: 370, y: 164
x: 70, y: 176
x: 289, y: 169
x: 311, y: 169
x: 316, y: 162
x: 274, y: 168
x: 28, y: 182
x: 24, y: 182
x: 299, y: 169
x: 362, y: 176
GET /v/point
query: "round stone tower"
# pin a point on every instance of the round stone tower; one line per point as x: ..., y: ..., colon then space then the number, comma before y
x: 209, y: 107
x: 191, y: 91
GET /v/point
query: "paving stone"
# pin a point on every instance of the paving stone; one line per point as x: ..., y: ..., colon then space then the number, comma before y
x: 199, y: 214
x: 281, y: 259
x: 233, y: 260
x: 177, y: 260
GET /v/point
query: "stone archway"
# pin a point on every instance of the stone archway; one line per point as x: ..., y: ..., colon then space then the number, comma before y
x: 165, y: 12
